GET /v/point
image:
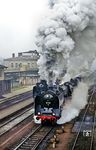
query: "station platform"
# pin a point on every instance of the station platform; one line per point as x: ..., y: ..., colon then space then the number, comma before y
x: 16, y: 92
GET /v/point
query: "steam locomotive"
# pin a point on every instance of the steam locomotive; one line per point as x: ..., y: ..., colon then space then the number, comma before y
x: 48, y: 101
x: 40, y: 88
x: 68, y: 87
x: 47, y: 108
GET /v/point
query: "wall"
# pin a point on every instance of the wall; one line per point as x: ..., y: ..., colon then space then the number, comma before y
x: 1, y: 74
x: 19, y: 65
x: 5, y: 86
x: 28, y: 80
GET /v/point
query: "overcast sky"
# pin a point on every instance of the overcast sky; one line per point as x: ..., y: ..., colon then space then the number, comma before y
x: 19, y: 20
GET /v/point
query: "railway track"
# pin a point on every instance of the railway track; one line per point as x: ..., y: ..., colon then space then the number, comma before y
x: 14, y: 104
x: 15, y: 99
x: 15, y: 120
x: 34, y: 139
x: 93, y: 131
x: 90, y: 135
x: 15, y: 115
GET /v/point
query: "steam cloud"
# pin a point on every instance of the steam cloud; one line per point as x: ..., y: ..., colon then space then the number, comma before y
x: 66, y: 38
x: 78, y: 102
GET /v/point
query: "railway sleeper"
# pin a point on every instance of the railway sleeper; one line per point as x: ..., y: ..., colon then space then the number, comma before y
x: 25, y: 146
x: 33, y: 140
x: 31, y: 145
x: 29, y: 142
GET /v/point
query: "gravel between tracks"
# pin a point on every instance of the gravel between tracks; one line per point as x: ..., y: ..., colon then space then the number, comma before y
x: 64, y: 138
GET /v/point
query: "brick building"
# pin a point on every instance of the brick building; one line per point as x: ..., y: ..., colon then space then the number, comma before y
x: 23, y: 69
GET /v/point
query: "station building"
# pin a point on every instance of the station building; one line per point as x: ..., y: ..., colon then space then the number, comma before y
x: 23, y: 69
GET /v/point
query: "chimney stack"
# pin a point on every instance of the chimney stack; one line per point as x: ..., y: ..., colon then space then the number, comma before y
x: 13, y: 55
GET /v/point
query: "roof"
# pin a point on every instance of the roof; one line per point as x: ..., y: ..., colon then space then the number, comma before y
x: 30, y: 51
x: 2, y: 67
x: 21, y: 59
x: 25, y: 57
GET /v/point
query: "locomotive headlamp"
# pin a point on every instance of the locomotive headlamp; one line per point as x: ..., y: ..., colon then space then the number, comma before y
x: 53, y: 114
x: 48, y: 96
x: 38, y: 113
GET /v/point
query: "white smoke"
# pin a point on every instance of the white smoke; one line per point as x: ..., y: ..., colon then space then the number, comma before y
x: 93, y: 67
x: 78, y: 102
x: 66, y: 38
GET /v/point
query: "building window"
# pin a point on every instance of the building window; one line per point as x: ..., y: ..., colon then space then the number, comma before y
x: 12, y: 65
x: 28, y: 64
x: 33, y: 64
x: 16, y: 65
x: 20, y: 65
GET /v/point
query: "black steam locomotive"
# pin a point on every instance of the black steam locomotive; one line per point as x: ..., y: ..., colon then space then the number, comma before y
x: 40, y: 87
x: 47, y: 108
x: 48, y: 100
x: 68, y: 87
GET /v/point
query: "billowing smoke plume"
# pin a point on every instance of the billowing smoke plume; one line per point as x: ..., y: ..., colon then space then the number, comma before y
x: 66, y: 38
x: 72, y: 108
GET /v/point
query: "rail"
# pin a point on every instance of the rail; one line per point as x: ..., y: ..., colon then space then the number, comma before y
x: 16, y: 120
x: 77, y: 136
x: 35, y: 138
x: 15, y: 99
